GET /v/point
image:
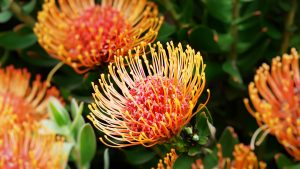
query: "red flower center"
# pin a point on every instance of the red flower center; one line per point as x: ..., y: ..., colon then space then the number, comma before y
x: 157, y: 101
x: 97, y: 32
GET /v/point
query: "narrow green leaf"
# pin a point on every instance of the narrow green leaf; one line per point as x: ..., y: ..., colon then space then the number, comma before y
x: 106, y: 159
x: 58, y: 113
x: 51, y: 125
x: 67, y: 150
x: 87, y: 144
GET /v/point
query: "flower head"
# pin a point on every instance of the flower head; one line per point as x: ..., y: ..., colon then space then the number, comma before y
x: 154, y: 98
x: 23, y: 147
x: 27, y: 101
x: 275, y: 97
x: 84, y: 34
x: 243, y: 158
x: 168, y: 161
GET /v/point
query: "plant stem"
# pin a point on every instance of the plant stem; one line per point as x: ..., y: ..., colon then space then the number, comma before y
x: 288, y: 26
x: 18, y: 12
x: 52, y: 72
x: 234, y: 30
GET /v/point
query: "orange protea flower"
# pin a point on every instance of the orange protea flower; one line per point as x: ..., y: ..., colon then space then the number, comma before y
x: 28, y: 102
x: 22, y: 147
x: 157, y: 96
x: 84, y: 34
x: 243, y: 158
x: 169, y: 160
x: 275, y: 97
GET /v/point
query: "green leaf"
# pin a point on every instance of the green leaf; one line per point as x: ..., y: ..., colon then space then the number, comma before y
x: 194, y: 150
x: 228, y: 140
x: 297, y: 166
x: 58, y: 113
x: 87, y: 144
x: 75, y: 109
x: 138, y: 155
x: 17, y: 40
x: 211, y: 160
x: 165, y: 32
x: 224, y: 41
x: 183, y: 162
x: 106, y: 159
x: 202, y: 128
x: 220, y: 9
x: 51, y: 125
x: 283, y: 161
x: 67, y: 150
x: 202, y: 38
x: 5, y: 16
x: 28, y: 8
x: 78, y: 121
x: 231, y: 68
x: 4, y: 4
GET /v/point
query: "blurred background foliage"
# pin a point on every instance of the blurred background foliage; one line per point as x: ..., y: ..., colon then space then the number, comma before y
x: 234, y: 37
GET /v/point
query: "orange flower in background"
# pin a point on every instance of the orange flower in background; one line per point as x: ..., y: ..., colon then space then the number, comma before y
x: 151, y: 101
x: 28, y: 102
x: 84, y: 34
x: 168, y: 161
x: 275, y: 97
x: 24, y: 148
x: 243, y: 158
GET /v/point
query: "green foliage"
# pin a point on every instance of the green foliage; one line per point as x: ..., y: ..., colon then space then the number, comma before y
x: 80, y: 136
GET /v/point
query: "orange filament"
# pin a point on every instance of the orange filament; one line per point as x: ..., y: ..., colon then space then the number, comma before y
x: 23, y: 147
x: 243, y: 158
x: 85, y: 34
x: 168, y: 161
x: 275, y: 97
x: 156, y: 100
x: 27, y: 101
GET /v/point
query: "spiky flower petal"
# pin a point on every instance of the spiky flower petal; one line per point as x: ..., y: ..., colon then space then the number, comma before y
x: 275, y: 97
x: 243, y: 158
x: 27, y: 100
x: 84, y: 34
x: 152, y: 100
x: 168, y: 161
x: 24, y: 148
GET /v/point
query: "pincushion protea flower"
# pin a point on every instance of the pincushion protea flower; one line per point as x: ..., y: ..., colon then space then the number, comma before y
x: 151, y: 101
x: 84, y: 34
x: 168, y: 161
x: 24, y: 148
x: 243, y: 158
x: 28, y: 102
x: 275, y: 97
